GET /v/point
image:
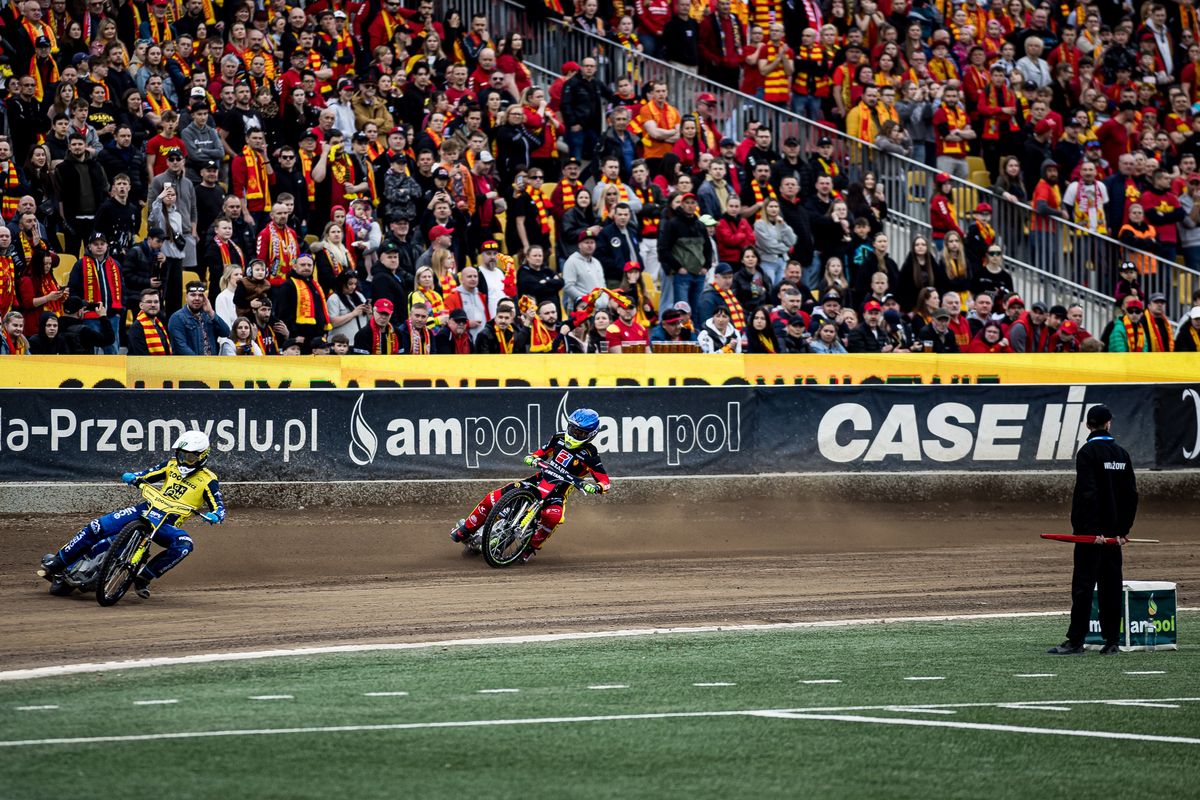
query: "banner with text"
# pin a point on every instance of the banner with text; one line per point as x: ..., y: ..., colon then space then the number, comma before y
x: 638, y: 369
x: 89, y: 435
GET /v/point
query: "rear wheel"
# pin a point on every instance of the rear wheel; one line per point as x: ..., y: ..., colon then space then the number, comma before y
x: 509, y: 527
x: 118, y: 570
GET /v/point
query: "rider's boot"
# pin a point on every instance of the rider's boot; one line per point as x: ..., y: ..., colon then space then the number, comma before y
x: 52, y: 566
x: 459, y: 532
x: 535, y: 543
x: 141, y: 585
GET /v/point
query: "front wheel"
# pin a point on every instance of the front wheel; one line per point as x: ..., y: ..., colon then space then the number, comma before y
x: 122, y: 561
x: 509, y: 526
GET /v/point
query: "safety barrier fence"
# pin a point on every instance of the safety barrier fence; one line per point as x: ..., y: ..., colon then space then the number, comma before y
x: 77, y: 435
x: 1052, y: 260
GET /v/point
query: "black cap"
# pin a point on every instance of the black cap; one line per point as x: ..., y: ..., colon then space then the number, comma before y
x: 42, y: 41
x: 823, y: 141
x: 210, y: 164
x: 360, y: 138
x: 727, y: 142
x: 318, y: 343
x: 1038, y: 305
x: 458, y: 315
x: 791, y: 141
x: 1098, y: 415
x: 388, y: 247
x: 441, y: 174
x: 571, y: 160
x: 97, y: 236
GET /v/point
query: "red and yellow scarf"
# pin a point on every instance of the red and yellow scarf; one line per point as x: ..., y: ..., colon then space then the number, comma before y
x: 8, y: 284
x: 158, y: 106
x: 737, y: 316
x: 307, y: 301
x: 257, y: 185
x: 282, y: 250
x: 8, y: 204
x: 541, y: 340
x: 760, y: 197
x: 567, y: 190
x: 418, y: 341
x: 1159, y: 343
x: 1135, y: 335
x: 158, y: 343
x: 539, y: 203
x: 384, y: 341
x: 956, y: 118
x: 20, y: 347
x: 92, y: 277
x: 310, y: 185
x: 505, y: 342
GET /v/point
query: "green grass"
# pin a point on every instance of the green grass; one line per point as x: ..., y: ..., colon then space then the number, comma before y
x: 691, y: 757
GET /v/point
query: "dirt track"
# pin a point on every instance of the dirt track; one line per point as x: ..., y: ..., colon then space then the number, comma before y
x: 320, y: 576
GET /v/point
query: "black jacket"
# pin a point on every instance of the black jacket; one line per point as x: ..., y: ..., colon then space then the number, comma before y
x: 67, y: 179
x: 130, y: 161
x: 942, y: 342
x: 796, y: 217
x: 861, y: 340
x: 1105, y: 499
x: 583, y: 102
x: 443, y: 343
x: 81, y: 338
x: 396, y: 287
x: 139, y: 266
x: 42, y: 345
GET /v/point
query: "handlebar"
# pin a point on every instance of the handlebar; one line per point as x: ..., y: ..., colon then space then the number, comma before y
x: 561, y: 473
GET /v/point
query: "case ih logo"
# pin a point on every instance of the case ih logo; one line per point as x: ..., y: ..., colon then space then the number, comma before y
x: 475, y: 437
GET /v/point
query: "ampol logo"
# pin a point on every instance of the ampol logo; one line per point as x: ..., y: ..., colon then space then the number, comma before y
x: 475, y: 437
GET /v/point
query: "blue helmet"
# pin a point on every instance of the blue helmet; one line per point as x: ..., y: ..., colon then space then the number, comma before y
x: 581, y: 427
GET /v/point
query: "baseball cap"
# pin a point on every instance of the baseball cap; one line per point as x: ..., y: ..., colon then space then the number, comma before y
x: 486, y: 157
x: 672, y: 315
x: 75, y: 59
x: 198, y: 91
x: 631, y: 265
x: 319, y: 343
x: 174, y: 152
x: 1134, y: 303
x: 441, y: 174
x: 210, y: 164
x: 723, y: 269
x: 941, y: 313
x: 458, y: 315
x: 360, y: 138
x: 440, y: 230
x: 1045, y: 126
x: 339, y: 14
x: 683, y: 306
x: 942, y: 177
x: 706, y: 97
x: 345, y: 83
x: 1128, y: 266
x: 1194, y: 313
x: 97, y: 236
x: 400, y: 129
x: 872, y: 305
x: 708, y: 221
x: 687, y: 196
x: 491, y: 245
x: 1098, y: 415
x: 388, y: 247
x: 569, y: 161
x: 585, y: 235
x: 1038, y: 305
x: 791, y: 141
x: 983, y: 208
x: 1158, y: 297
x: 1015, y: 300
x: 384, y: 305
x: 1068, y: 328
x: 823, y: 141
x: 42, y: 41
x: 570, y: 66
x: 727, y: 142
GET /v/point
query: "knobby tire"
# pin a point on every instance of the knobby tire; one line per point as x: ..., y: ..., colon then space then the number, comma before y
x: 517, y: 497
x: 116, y: 571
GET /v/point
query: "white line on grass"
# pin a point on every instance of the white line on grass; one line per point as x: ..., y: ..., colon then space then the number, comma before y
x: 155, y: 702
x: 1035, y: 675
x: 925, y: 678
x: 498, y: 691
x: 822, y: 680
x: 920, y: 710
x: 1146, y: 672
x: 1142, y: 704
x: 1027, y: 707
x: 776, y: 713
x: 385, y: 694
x: 1001, y: 704
x: 206, y: 658
x: 983, y: 726
x: 271, y: 697
x: 715, y: 683
x: 37, y: 708
x: 610, y: 686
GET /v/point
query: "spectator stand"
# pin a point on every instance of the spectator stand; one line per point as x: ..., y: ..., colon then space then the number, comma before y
x: 1067, y: 263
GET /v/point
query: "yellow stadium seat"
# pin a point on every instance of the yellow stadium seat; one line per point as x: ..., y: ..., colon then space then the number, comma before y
x: 918, y: 187
x: 981, y: 178
x: 65, y: 264
x: 975, y: 164
x: 965, y: 200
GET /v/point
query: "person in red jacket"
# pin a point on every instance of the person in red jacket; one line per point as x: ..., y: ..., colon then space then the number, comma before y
x: 734, y: 232
x: 652, y: 17
x: 942, y: 218
x: 990, y: 339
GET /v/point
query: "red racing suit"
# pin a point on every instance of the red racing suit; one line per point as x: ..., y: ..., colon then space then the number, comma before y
x: 581, y: 462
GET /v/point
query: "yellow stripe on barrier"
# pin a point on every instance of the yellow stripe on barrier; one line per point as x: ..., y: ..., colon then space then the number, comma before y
x: 640, y: 369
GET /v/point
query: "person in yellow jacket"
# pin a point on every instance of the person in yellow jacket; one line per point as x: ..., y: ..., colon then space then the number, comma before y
x: 186, y: 481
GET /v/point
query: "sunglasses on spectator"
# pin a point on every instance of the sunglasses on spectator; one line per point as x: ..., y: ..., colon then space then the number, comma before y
x: 994, y: 253
x: 287, y: 157
x: 174, y: 158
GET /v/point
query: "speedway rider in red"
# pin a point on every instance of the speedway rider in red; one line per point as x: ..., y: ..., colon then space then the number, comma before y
x: 569, y: 449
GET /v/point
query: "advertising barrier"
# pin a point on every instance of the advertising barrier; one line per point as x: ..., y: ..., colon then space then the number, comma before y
x: 403, y: 434
x: 641, y: 369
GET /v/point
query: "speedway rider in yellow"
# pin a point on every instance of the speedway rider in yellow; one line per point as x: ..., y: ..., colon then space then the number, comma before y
x: 185, y: 481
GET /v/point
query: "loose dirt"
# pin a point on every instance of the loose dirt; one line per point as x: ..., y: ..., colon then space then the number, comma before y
x: 336, y: 576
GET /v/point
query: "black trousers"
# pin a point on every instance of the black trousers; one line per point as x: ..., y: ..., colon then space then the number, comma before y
x: 1096, y: 565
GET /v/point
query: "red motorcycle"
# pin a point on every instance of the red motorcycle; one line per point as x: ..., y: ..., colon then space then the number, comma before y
x: 515, y: 517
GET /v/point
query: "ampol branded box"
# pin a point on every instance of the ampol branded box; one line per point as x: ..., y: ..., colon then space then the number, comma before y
x: 1147, y: 617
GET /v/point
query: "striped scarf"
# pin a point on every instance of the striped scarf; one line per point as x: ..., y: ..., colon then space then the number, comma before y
x: 310, y: 185
x: 384, y: 341
x: 8, y: 284
x: 737, y: 316
x: 158, y: 343
x: 418, y: 341
x: 567, y: 189
x: 1135, y: 335
x: 543, y: 216
x: 541, y: 340
x: 307, y: 299
x: 8, y: 204
x: 257, y: 185
x: 775, y: 83
x: 760, y: 198
x: 92, y: 292
x: 1159, y: 343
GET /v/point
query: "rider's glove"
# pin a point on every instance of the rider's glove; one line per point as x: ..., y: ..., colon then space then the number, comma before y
x: 529, y: 461
x: 212, y: 517
x: 591, y: 488
x: 129, y: 477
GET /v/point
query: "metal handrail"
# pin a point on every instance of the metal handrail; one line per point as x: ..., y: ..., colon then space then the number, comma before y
x: 1064, y: 254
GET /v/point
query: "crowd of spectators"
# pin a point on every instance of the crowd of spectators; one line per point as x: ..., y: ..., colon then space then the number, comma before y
x: 374, y: 178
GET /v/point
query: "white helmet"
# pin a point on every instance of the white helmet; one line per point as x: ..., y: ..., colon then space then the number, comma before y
x: 191, y: 450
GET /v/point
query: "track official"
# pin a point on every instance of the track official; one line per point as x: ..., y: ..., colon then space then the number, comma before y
x: 1104, y: 504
